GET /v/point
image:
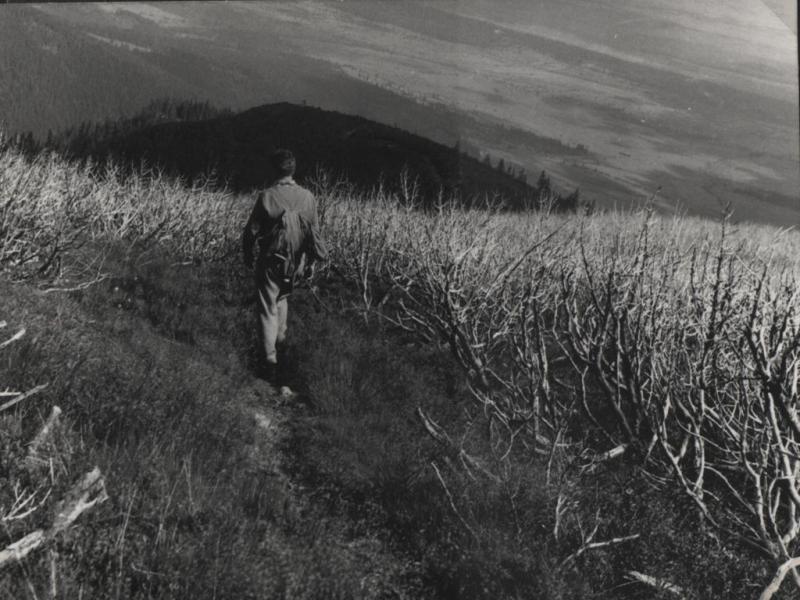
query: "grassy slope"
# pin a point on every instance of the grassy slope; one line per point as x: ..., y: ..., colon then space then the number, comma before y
x: 152, y: 370
x: 339, y: 501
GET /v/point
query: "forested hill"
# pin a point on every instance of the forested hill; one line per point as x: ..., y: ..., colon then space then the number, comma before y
x: 193, y: 140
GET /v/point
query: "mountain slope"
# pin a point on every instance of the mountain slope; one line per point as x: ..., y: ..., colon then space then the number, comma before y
x: 698, y: 99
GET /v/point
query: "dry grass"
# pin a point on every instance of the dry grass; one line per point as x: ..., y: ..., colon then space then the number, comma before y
x: 675, y: 342
x: 49, y: 206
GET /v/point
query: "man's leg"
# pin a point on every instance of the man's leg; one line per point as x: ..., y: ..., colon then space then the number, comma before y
x: 283, y: 310
x: 269, y: 318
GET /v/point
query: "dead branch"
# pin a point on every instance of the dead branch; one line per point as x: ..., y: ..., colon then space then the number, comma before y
x: 659, y: 584
x: 76, y: 288
x: 88, y: 492
x: 44, y: 433
x: 589, y: 545
x: 780, y: 574
x: 438, y: 434
x: 22, y: 396
x: 17, y: 551
x: 84, y: 495
x: 452, y: 501
x: 13, y: 338
x: 24, y: 504
x: 606, y: 456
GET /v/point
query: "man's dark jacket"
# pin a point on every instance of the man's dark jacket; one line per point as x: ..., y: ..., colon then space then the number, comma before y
x: 285, y: 195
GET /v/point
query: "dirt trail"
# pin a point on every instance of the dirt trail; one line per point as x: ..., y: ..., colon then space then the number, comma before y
x: 270, y: 419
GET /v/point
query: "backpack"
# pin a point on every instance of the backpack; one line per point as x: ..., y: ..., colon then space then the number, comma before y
x: 284, y: 246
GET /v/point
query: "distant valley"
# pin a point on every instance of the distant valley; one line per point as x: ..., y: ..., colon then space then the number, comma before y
x: 618, y: 98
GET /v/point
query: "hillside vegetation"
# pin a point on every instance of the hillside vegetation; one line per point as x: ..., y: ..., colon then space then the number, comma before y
x: 492, y: 404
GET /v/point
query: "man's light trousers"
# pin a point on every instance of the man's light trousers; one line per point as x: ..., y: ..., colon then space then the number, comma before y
x: 272, y: 311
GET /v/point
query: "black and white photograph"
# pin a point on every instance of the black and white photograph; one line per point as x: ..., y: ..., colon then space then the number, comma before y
x: 400, y: 300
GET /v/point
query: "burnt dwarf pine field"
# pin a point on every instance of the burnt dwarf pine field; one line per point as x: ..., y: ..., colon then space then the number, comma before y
x: 491, y: 404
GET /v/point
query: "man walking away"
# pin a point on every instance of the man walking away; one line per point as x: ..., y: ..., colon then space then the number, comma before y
x: 284, y: 226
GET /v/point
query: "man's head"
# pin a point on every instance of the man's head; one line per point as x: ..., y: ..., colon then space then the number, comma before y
x: 283, y: 163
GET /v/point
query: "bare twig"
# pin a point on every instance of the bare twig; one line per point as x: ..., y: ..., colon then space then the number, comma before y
x: 76, y: 288
x: 22, y: 396
x: 595, y: 545
x: 452, y: 501
x: 14, y: 338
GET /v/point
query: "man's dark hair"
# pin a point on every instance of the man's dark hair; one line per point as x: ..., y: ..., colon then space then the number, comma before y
x: 283, y: 162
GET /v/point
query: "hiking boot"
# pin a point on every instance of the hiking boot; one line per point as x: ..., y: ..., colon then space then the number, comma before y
x: 269, y: 373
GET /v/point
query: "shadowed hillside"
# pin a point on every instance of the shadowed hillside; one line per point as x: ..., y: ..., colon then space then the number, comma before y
x: 182, y: 140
